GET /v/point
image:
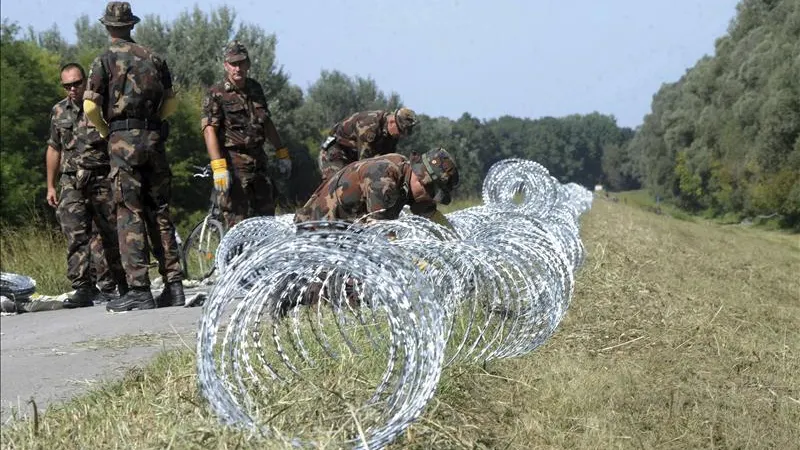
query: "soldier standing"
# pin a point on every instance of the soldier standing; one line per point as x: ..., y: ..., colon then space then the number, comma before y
x: 379, y: 187
x: 236, y: 123
x: 128, y: 97
x: 85, y: 209
x: 363, y: 135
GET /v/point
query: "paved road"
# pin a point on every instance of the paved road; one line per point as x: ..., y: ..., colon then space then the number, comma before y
x: 54, y: 355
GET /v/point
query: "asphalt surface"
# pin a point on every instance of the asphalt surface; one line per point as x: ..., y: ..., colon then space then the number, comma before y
x: 51, y: 356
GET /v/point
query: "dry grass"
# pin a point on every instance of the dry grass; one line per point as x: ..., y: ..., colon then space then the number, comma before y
x: 681, y: 334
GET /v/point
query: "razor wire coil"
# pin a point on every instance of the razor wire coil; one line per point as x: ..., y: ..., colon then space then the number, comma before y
x: 419, y: 296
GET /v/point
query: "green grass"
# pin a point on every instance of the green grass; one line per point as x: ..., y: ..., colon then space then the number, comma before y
x: 681, y: 334
x: 38, y: 252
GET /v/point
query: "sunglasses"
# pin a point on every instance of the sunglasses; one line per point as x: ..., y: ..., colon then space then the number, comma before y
x: 74, y: 84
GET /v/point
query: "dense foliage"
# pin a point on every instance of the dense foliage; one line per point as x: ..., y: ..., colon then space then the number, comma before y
x: 723, y: 139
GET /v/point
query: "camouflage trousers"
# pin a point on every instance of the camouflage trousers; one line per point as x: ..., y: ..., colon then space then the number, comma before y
x: 251, y: 191
x: 85, y: 210
x: 334, y: 159
x: 101, y: 272
x: 142, y: 190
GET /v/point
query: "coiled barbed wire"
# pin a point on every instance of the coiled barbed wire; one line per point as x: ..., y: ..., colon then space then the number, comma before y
x: 412, y: 293
x: 312, y: 302
x: 248, y: 233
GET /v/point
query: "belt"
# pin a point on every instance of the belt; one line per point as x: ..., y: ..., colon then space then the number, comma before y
x: 97, y: 171
x: 134, y: 124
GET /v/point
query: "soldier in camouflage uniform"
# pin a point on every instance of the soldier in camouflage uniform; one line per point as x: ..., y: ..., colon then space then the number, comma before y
x: 100, y: 271
x: 85, y: 208
x: 378, y: 188
x: 236, y: 123
x: 128, y: 97
x: 363, y: 135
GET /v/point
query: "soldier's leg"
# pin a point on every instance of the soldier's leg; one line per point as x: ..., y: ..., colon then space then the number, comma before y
x: 110, y: 274
x: 101, y: 274
x: 261, y: 195
x: 237, y: 196
x: 74, y: 216
x: 159, y: 192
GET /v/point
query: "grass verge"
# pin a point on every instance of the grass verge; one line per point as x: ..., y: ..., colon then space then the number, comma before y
x: 680, y: 335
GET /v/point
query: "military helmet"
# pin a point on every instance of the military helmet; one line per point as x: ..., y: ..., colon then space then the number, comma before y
x: 406, y: 119
x: 235, y: 51
x: 437, y: 171
x: 119, y: 14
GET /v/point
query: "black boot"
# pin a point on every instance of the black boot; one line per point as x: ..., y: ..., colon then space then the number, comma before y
x: 172, y: 295
x: 136, y: 298
x: 122, y: 288
x: 104, y: 296
x: 82, y: 298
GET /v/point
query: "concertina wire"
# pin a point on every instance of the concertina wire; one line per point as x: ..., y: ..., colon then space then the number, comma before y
x: 350, y: 325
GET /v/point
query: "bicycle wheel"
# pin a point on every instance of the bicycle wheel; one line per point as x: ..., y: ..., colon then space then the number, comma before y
x: 200, y: 249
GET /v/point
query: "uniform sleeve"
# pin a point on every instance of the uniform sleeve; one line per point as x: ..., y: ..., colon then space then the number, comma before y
x: 367, y: 133
x: 55, y: 136
x: 166, y: 75
x: 260, y: 98
x: 212, y: 111
x: 97, y: 84
x: 383, y: 195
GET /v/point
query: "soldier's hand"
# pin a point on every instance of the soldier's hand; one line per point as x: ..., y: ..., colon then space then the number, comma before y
x: 52, y: 197
x: 222, y: 178
x: 285, y: 167
x: 284, y: 162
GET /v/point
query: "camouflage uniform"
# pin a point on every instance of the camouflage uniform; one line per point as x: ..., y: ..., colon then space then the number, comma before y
x: 378, y: 188
x: 129, y: 81
x: 240, y: 117
x: 360, y: 136
x: 85, y: 206
x: 101, y: 272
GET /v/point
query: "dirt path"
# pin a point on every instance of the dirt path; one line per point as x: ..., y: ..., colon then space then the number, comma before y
x: 51, y: 356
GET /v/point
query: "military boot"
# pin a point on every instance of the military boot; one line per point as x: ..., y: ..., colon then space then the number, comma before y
x: 172, y: 295
x: 103, y: 296
x: 82, y: 297
x: 135, y: 298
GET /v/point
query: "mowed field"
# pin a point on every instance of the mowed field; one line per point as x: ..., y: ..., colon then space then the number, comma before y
x: 680, y: 334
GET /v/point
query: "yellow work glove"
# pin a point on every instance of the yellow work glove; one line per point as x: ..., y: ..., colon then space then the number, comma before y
x: 222, y: 178
x: 94, y: 115
x: 284, y: 162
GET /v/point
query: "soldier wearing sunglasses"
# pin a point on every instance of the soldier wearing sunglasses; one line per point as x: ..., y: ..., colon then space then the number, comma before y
x: 78, y: 153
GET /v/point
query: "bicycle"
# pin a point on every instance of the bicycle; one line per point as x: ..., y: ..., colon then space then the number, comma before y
x: 198, y: 254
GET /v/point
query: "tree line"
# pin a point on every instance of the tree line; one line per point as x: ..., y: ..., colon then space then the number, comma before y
x: 724, y: 138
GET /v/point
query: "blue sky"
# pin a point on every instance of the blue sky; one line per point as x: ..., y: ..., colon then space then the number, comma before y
x: 523, y: 58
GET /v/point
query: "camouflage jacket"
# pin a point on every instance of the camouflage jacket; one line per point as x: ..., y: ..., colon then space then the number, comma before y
x: 365, y: 134
x: 74, y: 136
x: 128, y: 81
x: 378, y: 187
x: 239, y: 115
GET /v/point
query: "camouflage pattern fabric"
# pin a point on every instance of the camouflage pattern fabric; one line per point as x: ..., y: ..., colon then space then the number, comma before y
x: 251, y: 190
x: 240, y: 117
x: 360, y: 136
x: 86, y: 209
x: 79, y: 142
x: 372, y: 189
x: 100, y: 271
x: 85, y: 199
x: 142, y: 190
x: 130, y: 82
